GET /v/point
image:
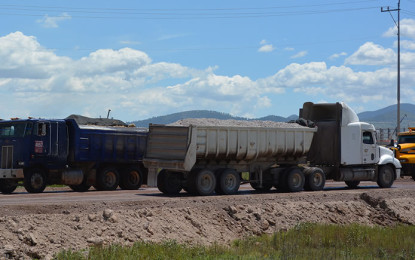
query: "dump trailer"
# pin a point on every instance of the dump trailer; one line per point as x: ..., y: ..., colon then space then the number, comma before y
x: 40, y: 152
x: 205, y: 159
x: 404, y: 150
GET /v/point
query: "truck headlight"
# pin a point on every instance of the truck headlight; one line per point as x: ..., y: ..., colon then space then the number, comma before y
x: 403, y: 160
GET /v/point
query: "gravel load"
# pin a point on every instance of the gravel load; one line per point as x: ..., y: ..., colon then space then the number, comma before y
x: 83, y: 120
x: 237, y: 123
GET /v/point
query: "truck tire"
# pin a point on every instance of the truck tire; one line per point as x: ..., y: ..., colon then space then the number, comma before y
x: 386, y: 176
x: 352, y: 184
x: 107, y: 179
x: 169, y: 182
x: 201, y: 182
x: 266, y: 186
x: 34, y: 180
x: 315, y: 179
x: 294, y: 179
x: 7, y: 186
x: 131, y: 179
x: 228, y: 182
x: 80, y: 188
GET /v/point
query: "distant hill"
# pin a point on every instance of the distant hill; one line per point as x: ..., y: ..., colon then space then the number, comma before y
x: 167, y: 119
x: 382, y: 118
x: 386, y: 117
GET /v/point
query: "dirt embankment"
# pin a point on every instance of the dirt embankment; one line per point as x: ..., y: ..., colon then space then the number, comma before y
x: 39, y: 231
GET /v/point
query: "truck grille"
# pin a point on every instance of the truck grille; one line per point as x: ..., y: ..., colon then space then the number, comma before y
x: 6, y: 157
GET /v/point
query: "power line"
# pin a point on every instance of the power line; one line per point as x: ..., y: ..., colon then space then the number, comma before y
x: 100, y: 10
x: 184, y: 16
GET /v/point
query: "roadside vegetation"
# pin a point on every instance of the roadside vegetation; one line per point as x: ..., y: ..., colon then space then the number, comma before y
x: 305, y: 241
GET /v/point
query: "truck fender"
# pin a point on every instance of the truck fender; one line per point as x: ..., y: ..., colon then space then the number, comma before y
x: 386, y: 157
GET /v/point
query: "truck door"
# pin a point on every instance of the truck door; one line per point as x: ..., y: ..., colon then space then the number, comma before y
x: 370, y: 151
x: 42, y: 140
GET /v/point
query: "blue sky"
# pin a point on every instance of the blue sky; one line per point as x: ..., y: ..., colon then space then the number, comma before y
x: 248, y: 58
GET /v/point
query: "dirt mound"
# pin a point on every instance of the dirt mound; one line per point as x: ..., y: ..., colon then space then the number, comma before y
x: 39, y: 231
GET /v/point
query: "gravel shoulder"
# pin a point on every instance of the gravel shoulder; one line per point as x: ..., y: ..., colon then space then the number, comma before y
x: 40, y: 231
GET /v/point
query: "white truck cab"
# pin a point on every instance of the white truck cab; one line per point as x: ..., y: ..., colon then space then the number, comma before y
x: 346, y: 148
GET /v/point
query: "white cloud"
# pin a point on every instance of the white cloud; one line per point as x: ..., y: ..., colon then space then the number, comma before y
x: 52, y: 21
x: 37, y: 82
x: 372, y: 54
x: 337, y: 55
x: 407, y: 29
x: 126, y: 42
x: 410, y: 45
x: 266, y: 48
x: 299, y: 55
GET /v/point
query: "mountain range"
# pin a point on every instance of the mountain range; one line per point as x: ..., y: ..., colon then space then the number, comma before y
x: 382, y: 118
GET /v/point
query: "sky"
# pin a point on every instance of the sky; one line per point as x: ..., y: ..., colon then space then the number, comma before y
x: 142, y: 59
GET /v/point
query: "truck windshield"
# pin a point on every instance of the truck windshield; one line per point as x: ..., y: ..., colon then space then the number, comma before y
x: 13, y: 129
x: 405, y: 139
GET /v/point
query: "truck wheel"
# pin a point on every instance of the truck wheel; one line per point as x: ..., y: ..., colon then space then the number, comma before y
x: 80, y: 187
x: 386, y: 176
x: 294, y: 179
x: 228, y: 182
x: 7, y: 186
x: 107, y: 179
x: 34, y: 181
x: 266, y: 185
x: 131, y: 179
x: 352, y: 184
x: 169, y: 182
x: 315, y: 179
x: 202, y: 182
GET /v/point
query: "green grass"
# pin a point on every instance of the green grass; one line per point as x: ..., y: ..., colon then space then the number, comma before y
x: 306, y: 241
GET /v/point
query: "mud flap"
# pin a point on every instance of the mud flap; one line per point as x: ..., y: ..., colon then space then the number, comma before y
x: 152, y: 177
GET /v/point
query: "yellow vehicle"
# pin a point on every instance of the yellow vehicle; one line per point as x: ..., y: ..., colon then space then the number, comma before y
x: 405, y: 152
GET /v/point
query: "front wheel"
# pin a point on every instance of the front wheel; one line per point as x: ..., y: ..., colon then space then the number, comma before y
x: 7, y: 186
x: 34, y: 181
x: 386, y: 176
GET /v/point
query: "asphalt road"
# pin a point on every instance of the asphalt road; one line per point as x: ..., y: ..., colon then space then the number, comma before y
x: 62, y: 195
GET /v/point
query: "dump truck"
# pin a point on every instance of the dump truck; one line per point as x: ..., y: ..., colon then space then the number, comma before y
x: 405, y: 151
x: 38, y: 152
x: 333, y: 144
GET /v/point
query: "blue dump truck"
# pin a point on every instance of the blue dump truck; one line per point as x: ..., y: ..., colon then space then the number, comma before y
x: 40, y: 152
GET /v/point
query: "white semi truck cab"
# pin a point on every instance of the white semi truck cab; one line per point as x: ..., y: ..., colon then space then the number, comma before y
x: 346, y: 148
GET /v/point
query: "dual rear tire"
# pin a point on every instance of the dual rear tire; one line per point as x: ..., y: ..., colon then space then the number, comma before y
x: 201, y: 182
x: 109, y: 178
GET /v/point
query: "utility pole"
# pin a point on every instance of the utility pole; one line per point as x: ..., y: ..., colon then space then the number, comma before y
x: 387, y: 9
